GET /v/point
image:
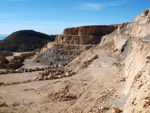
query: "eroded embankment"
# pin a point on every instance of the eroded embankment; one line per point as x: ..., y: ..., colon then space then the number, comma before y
x: 131, y: 43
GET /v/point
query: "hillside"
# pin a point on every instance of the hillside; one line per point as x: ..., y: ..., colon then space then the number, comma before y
x: 25, y: 40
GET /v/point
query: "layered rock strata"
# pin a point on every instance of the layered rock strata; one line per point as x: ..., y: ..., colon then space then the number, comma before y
x: 72, y: 43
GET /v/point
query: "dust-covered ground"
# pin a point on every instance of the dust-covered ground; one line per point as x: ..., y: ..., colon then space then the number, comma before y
x: 92, y: 89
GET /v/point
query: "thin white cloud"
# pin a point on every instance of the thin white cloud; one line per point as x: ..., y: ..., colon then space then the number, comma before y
x: 90, y: 6
x: 98, y: 6
x: 116, y: 3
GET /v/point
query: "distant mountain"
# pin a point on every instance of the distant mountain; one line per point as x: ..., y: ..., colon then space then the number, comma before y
x: 3, y: 36
x: 25, y: 40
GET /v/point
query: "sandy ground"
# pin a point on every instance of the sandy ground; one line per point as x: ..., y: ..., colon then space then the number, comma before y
x: 90, y: 90
x: 29, y: 63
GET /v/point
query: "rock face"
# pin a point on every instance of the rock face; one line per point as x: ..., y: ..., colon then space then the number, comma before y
x: 61, y: 54
x: 72, y: 43
x: 131, y: 42
x: 3, y: 59
x: 90, y: 30
x: 14, y: 64
x: 143, y: 18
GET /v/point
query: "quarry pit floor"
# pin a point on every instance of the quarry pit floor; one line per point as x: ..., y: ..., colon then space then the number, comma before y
x: 88, y: 91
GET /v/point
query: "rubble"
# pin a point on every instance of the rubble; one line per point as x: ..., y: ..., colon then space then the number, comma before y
x: 115, y: 109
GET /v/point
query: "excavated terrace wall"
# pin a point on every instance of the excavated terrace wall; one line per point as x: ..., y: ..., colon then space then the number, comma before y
x: 71, y: 43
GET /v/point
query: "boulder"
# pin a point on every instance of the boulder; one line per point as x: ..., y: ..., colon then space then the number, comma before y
x: 1, y: 65
x: 145, y: 13
x: 115, y: 109
x: 28, y: 55
x: 3, y: 59
x: 14, y: 64
x: 21, y: 58
x: 148, y: 57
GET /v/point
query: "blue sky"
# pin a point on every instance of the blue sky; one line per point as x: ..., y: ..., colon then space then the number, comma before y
x: 52, y: 16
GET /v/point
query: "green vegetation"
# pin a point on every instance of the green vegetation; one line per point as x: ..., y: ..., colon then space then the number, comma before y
x: 25, y: 40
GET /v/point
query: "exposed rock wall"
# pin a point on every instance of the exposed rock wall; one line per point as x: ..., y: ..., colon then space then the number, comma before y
x: 137, y: 78
x: 78, y: 40
x: 90, y: 30
x: 61, y: 55
x: 134, y: 64
x: 143, y: 18
x: 72, y: 43
x: 83, y: 60
x: 131, y: 43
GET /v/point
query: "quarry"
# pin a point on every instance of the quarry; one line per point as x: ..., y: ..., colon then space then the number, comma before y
x: 87, y: 69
